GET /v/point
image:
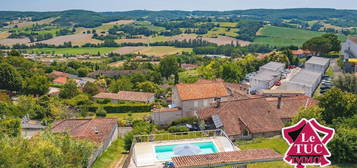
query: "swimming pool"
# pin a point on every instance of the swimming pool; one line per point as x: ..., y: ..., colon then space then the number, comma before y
x: 166, y: 152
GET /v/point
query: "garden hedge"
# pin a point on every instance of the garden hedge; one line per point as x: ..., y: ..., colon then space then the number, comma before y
x: 121, y: 108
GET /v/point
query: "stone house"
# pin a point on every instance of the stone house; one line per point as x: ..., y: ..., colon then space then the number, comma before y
x: 102, y: 131
x: 187, y: 99
x: 255, y: 117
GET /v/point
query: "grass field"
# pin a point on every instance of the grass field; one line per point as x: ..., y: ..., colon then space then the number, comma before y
x: 125, y: 115
x: 72, y: 51
x: 112, y: 156
x: 158, y: 39
x: 231, y: 32
x: 160, y: 51
x: 282, y: 36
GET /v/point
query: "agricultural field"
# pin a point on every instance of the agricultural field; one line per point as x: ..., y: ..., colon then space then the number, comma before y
x: 183, y: 37
x: 154, y: 39
x: 160, y: 51
x: 72, y: 51
x: 282, y: 36
x: 106, y: 26
x: 76, y: 39
x: 156, y: 51
x: 221, y: 31
x: 128, y: 50
x: 224, y: 40
x: 10, y: 42
x: 134, y: 40
x: 23, y: 24
x: 4, y: 35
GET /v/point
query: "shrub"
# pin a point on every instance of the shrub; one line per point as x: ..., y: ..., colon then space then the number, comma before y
x: 101, y: 112
x: 185, y: 120
x: 174, y: 129
x: 103, y: 101
x: 121, y: 108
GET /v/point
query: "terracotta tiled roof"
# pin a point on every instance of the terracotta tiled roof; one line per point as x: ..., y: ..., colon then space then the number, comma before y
x: 188, y: 66
x: 300, y: 52
x: 290, y: 106
x: 201, y: 90
x: 163, y: 110
x: 257, y: 114
x: 126, y: 96
x: 217, y: 159
x: 353, y: 39
x: 61, y: 80
x: 103, y: 95
x: 135, y: 96
x: 96, y: 129
x: 58, y: 74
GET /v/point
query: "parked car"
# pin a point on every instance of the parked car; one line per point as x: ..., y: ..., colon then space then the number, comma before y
x: 190, y: 126
x: 291, y: 66
x: 277, y: 83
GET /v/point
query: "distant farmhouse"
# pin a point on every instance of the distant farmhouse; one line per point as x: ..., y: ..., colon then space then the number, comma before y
x: 349, y: 52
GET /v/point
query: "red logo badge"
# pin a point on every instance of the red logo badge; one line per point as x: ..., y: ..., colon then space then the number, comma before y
x: 307, y: 147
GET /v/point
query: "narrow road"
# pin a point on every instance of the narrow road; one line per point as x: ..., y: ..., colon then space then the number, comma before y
x: 336, y: 69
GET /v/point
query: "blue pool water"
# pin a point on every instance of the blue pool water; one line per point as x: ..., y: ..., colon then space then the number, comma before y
x: 165, y: 152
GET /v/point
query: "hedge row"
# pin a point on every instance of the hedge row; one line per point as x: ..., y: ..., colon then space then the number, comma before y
x: 121, y: 108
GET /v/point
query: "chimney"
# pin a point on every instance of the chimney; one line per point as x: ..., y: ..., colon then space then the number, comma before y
x: 279, y: 102
x: 218, y: 102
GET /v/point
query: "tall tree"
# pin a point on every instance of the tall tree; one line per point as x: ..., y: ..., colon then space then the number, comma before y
x: 346, y: 82
x: 169, y: 66
x: 319, y: 45
x: 10, y: 79
x: 121, y: 84
x: 334, y: 41
x: 69, y: 90
x: 36, y: 85
x: 337, y: 104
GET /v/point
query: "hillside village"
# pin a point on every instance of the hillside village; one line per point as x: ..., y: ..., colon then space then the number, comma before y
x: 138, y: 93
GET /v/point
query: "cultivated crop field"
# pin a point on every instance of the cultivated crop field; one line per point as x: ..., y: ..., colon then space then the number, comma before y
x: 76, y: 39
x: 10, y: 42
x: 224, y: 40
x: 183, y: 37
x: 282, y: 36
x: 72, y: 51
x: 160, y: 51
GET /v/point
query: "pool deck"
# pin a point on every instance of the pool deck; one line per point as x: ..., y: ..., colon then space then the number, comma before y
x: 144, y: 153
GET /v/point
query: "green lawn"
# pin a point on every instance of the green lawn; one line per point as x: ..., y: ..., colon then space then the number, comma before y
x: 283, y: 36
x: 72, y: 51
x: 125, y: 115
x: 111, y: 157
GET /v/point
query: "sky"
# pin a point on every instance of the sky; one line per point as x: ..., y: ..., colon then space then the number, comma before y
x: 189, y: 5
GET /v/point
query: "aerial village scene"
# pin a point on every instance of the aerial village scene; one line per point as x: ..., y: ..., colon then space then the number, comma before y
x: 179, y: 84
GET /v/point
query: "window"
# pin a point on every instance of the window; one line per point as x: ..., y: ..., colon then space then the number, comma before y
x: 245, y: 132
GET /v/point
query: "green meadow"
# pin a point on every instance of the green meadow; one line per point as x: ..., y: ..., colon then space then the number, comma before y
x: 71, y: 51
